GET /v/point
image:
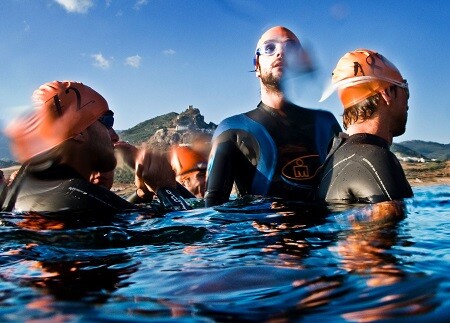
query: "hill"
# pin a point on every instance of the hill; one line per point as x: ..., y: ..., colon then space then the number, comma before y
x: 429, y: 149
x: 172, y: 128
x: 144, y: 130
x: 402, y: 152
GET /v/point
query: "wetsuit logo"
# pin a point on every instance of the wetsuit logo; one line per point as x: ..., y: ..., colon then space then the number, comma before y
x: 302, y: 168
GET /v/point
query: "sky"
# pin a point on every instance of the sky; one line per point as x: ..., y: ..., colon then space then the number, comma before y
x: 152, y: 57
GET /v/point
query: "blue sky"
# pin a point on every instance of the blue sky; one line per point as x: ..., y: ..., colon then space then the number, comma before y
x: 151, y: 57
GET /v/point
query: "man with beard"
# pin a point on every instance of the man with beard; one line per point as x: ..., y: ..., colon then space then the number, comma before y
x: 277, y: 148
x: 360, y: 166
x: 65, y: 139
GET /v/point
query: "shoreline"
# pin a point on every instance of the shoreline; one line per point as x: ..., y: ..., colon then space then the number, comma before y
x: 417, y: 174
x: 427, y: 174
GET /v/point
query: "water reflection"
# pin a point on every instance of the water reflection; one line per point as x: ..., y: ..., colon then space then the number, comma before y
x: 364, y: 250
x: 254, y: 259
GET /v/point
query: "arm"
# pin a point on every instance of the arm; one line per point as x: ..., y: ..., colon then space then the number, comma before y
x: 153, y: 175
x: 220, y: 174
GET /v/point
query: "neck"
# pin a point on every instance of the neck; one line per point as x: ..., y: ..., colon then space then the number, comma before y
x: 374, y: 126
x: 76, y: 159
x: 271, y: 97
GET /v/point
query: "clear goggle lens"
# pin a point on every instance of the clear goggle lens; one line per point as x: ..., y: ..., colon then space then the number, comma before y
x: 272, y: 47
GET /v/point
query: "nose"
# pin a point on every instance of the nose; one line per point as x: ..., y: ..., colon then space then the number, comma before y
x: 281, y: 49
x: 114, y: 136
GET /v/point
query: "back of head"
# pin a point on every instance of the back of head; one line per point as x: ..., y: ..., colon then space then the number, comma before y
x: 360, y: 74
x: 62, y: 110
x: 185, y: 160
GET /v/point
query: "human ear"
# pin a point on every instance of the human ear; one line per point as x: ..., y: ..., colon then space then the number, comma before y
x: 81, y: 137
x: 257, y: 67
x: 386, y: 96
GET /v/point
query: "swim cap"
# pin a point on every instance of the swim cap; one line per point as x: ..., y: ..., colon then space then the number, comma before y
x: 185, y: 160
x: 62, y: 110
x: 360, y: 74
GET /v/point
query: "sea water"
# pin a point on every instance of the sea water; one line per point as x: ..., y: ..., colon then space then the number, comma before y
x: 253, y: 259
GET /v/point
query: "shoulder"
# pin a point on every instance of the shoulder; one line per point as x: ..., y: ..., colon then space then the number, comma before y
x: 325, y: 116
x: 236, y: 124
x: 73, y: 194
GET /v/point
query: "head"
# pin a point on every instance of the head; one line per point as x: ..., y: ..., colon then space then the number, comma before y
x: 68, y: 118
x: 190, y: 169
x: 366, y: 80
x: 277, y: 50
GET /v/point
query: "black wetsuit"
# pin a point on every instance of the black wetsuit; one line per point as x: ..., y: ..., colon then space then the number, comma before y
x: 269, y: 152
x: 60, y: 188
x: 361, y: 168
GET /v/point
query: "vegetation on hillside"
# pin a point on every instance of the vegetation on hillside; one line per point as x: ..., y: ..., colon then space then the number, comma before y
x: 144, y: 130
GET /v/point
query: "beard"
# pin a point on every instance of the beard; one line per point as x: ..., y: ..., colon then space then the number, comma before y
x: 400, y: 129
x: 271, y: 82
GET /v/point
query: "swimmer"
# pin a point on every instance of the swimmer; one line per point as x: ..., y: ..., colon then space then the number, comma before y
x: 360, y: 166
x: 190, y: 168
x: 277, y: 148
x: 62, y: 142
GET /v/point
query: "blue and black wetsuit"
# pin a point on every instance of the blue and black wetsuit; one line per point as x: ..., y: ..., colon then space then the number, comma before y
x: 269, y: 152
x: 362, y: 169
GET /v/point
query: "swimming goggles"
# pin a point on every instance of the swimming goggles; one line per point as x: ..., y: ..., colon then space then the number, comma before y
x: 360, y: 80
x: 272, y: 47
x: 107, y: 119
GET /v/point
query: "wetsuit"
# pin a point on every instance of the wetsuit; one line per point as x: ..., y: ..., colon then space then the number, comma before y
x: 60, y: 188
x: 269, y: 152
x: 361, y: 168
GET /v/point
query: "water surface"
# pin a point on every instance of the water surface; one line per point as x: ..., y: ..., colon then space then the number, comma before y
x: 249, y: 260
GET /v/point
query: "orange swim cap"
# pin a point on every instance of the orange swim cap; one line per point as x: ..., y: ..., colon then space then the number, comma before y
x: 62, y: 110
x: 185, y: 160
x: 360, y: 74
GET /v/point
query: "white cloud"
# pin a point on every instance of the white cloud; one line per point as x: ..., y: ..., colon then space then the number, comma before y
x: 339, y: 11
x: 77, y: 6
x: 133, y: 61
x: 26, y: 26
x: 139, y: 4
x: 101, y: 61
x: 168, y: 52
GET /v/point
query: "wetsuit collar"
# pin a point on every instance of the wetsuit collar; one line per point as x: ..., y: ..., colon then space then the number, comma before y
x: 58, y: 171
x: 286, y: 106
x: 367, y: 138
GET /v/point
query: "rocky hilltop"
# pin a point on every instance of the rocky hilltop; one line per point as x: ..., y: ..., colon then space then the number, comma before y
x: 172, y: 128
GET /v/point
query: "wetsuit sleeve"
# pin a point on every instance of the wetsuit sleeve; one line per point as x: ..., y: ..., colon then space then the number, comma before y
x: 134, y: 198
x: 221, y: 171
x: 73, y: 194
x: 373, y: 177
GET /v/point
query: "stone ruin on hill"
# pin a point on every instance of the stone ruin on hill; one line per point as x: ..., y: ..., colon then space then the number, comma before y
x: 190, y: 126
